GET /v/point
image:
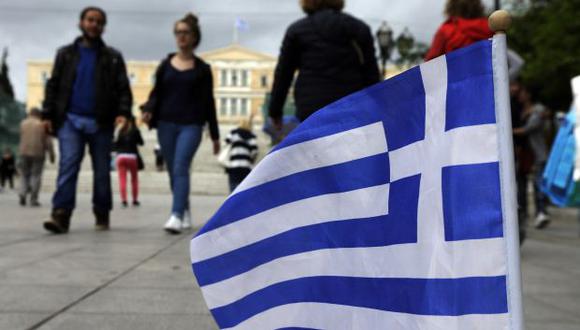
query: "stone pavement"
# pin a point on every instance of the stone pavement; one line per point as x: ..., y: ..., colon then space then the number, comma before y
x: 137, y: 277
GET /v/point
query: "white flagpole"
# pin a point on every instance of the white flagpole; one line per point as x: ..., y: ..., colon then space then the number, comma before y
x: 499, y: 22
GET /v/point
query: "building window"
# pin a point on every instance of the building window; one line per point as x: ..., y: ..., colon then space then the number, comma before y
x: 223, y: 106
x: 244, y: 78
x: 153, y: 78
x: 234, y: 78
x: 44, y: 77
x: 233, y: 107
x: 264, y: 81
x: 223, y: 77
x: 243, y: 107
x: 132, y: 78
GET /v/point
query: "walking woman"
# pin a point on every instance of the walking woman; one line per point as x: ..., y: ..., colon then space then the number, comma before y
x: 333, y: 53
x: 128, y: 160
x: 179, y: 105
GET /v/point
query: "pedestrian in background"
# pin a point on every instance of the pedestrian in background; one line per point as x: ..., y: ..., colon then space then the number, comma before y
x: 533, y: 114
x: 333, y: 53
x: 7, y: 168
x: 127, y: 142
x: 87, y: 93
x: 179, y: 106
x: 35, y: 143
x: 242, y: 154
x: 466, y: 23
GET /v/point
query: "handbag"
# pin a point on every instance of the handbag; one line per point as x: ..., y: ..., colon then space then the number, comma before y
x: 224, y: 156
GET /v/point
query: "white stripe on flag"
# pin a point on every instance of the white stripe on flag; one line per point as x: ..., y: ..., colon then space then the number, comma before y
x: 409, y: 161
x: 329, y: 316
x: 356, y: 204
x: 334, y: 149
x: 444, y: 260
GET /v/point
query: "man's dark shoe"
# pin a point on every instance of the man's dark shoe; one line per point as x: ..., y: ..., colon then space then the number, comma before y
x: 101, y: 220
x: 59, y: 221
x: 22, y: 200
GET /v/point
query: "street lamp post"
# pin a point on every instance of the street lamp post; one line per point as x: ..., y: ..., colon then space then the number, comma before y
x: 385, y: 41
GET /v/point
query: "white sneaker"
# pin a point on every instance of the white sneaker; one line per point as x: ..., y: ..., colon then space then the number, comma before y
x: 542, y: 220
x: 186, y: 223
x: 173, y: 225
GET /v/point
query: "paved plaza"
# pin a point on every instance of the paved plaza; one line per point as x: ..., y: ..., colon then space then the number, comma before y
x: 137, y: 277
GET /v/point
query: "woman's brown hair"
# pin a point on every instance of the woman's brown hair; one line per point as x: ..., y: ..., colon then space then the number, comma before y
x: 464, y: 8
x: 193, y: 23
x: 312, y: 6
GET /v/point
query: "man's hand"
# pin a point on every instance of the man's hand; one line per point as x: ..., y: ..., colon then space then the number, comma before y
x: 216, y: 147
x: 146, y: 117
x: 120, y: 120
x: 47, y: 126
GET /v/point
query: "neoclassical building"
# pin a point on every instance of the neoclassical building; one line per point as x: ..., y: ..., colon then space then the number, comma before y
x: 242, y: 77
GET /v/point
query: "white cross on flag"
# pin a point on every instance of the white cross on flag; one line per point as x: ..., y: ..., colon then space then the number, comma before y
x: 393, y: 208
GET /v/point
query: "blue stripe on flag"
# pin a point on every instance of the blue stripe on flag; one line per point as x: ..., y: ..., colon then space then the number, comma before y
x: 398, y: 227
x: 470, y: 97
x: 472, y: 202
x: 384, y: 102
x: 449, y: 297
x: 357, y: 174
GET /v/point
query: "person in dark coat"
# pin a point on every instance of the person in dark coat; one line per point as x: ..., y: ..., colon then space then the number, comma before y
x: 126, y: 146
x: 7, y: 168
x: 87, y: 94
x: 333, y: 53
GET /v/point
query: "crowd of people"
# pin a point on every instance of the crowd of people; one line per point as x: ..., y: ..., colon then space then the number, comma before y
x: 329, y: 53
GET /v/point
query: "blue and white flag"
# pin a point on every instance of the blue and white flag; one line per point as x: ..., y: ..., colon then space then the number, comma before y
x: 242, y: 25
x: 393, y: 208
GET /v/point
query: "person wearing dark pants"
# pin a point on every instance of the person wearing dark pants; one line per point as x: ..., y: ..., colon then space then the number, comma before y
x: 87, y: 93
x: 7, y: 169
x: 34, y: 145
x: 179, y: 105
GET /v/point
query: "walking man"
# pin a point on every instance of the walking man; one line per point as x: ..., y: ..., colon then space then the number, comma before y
x: 34, y: 145
x: 87, y: 93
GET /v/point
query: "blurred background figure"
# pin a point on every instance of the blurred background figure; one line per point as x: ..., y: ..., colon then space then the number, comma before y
x: 333, y: 53
x: 87, y: 94
x: 532, y: 116
x: 242, y: 154
x: 466, y: 23
x: 35, y: 143
x: 7, y: 169
x: 179, y: 106
x: 126, y: 145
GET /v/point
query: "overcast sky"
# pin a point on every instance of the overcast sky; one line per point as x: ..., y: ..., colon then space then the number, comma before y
x: 141, y: 29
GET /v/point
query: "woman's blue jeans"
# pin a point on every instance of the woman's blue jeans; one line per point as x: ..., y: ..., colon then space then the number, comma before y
x: 178, y: 146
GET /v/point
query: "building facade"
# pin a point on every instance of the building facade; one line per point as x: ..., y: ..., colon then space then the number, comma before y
x: 242, y: 77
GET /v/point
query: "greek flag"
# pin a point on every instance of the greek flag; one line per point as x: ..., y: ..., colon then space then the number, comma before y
x: 393, y: 208
x: 242, y: 25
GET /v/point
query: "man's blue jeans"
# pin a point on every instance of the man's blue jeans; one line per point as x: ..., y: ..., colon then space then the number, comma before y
x: 72, y: 142
x: 178, y: 145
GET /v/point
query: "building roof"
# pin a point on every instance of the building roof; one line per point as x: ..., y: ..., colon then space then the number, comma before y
x: 236, y: 52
